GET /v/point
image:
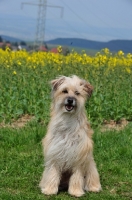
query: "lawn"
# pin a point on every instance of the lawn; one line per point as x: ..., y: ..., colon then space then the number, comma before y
x: 22, y: 163
x: 25, y: 91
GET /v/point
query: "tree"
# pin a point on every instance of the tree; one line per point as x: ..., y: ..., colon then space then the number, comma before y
x: 65, y: 51
x: 23, y: 43
x: 15, y: 44
x: 1, y: 40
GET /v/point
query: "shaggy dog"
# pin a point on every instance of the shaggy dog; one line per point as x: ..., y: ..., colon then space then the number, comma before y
x: 68, y: 147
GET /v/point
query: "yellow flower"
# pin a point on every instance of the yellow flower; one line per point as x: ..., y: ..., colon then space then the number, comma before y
x: 128, y: 70
x: 120, y: 53
x: 59, y: 48
x: 7, y: 49
x: 106, y: 51
x: 19, y: 63
x: 14, y: 73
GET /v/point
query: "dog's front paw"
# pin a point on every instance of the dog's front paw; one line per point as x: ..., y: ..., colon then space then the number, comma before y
x: 95, y: 188
x: 76, y: 193
x: 49, y: 191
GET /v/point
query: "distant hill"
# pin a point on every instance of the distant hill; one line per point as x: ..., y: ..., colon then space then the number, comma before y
x: 113, y: 45
x: 10, y: 39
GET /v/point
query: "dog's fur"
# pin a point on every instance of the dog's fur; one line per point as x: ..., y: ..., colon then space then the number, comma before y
x: 68, y: 146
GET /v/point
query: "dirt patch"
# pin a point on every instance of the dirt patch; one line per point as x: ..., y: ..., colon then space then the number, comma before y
x: 19, y: 123
x: 108, y: 125
x: 113, y: 125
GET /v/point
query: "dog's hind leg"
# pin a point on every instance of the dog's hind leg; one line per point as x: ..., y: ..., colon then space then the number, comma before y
x: 50, y: 180
x: 92, y: 180
x: 76, y: 183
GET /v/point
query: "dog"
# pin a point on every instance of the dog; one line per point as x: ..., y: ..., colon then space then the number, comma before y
x: 68, y: 145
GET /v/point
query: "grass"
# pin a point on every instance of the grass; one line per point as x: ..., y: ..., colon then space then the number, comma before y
x: 22, y: 164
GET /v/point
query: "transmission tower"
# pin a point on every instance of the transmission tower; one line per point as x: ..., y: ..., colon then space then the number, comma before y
x: 41, y: 20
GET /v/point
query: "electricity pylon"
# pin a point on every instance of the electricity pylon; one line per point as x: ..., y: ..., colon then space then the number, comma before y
x: 41, y: 20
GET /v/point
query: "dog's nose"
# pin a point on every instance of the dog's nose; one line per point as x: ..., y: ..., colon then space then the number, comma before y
x: 70, y: 100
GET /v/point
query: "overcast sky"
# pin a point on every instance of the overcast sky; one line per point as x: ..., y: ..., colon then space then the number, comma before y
x: 100, y: 20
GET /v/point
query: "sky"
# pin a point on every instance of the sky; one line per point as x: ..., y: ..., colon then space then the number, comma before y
x: 99, y: 20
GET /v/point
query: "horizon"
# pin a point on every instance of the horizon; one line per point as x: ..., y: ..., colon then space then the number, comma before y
x: 59, y: 38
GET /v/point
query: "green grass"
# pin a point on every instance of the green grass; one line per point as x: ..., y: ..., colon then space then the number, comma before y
x: 22, y: 164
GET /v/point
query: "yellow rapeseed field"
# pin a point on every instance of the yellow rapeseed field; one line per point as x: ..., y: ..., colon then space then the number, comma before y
x: 36, y: 59
x: 24, y: 78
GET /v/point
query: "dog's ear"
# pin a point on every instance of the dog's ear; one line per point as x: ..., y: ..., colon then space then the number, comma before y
x: 88, y: 88
x: 57, y: 82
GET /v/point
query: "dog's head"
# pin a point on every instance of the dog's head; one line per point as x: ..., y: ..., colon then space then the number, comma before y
x: 70, y: 93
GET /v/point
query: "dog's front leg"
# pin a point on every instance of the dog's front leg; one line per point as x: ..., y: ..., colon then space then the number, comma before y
x: 92, y: 180
x: 50, y: 180
x: 76, y: 183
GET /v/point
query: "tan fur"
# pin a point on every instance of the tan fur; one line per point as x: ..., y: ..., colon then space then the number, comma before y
x: 68, y: 146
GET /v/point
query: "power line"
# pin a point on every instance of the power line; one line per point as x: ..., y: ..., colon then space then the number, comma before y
x: 79, y: 17
x: 70, y: 26
x: 99, y: 18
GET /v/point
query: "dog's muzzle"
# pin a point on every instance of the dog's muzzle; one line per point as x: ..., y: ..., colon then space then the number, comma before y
x: 70, y: 103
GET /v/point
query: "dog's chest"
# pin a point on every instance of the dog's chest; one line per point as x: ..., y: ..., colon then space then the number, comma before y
x: 67, y: 137
x: 65, y: 148
x: 67, y: 143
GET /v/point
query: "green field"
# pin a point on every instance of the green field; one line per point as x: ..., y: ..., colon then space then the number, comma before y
x: 25, y: 91
x: 22, y: 164
x: 25, y: 88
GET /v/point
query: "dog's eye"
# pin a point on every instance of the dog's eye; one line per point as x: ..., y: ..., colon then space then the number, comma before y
x: 77, y: 93
x: 65, y: 91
